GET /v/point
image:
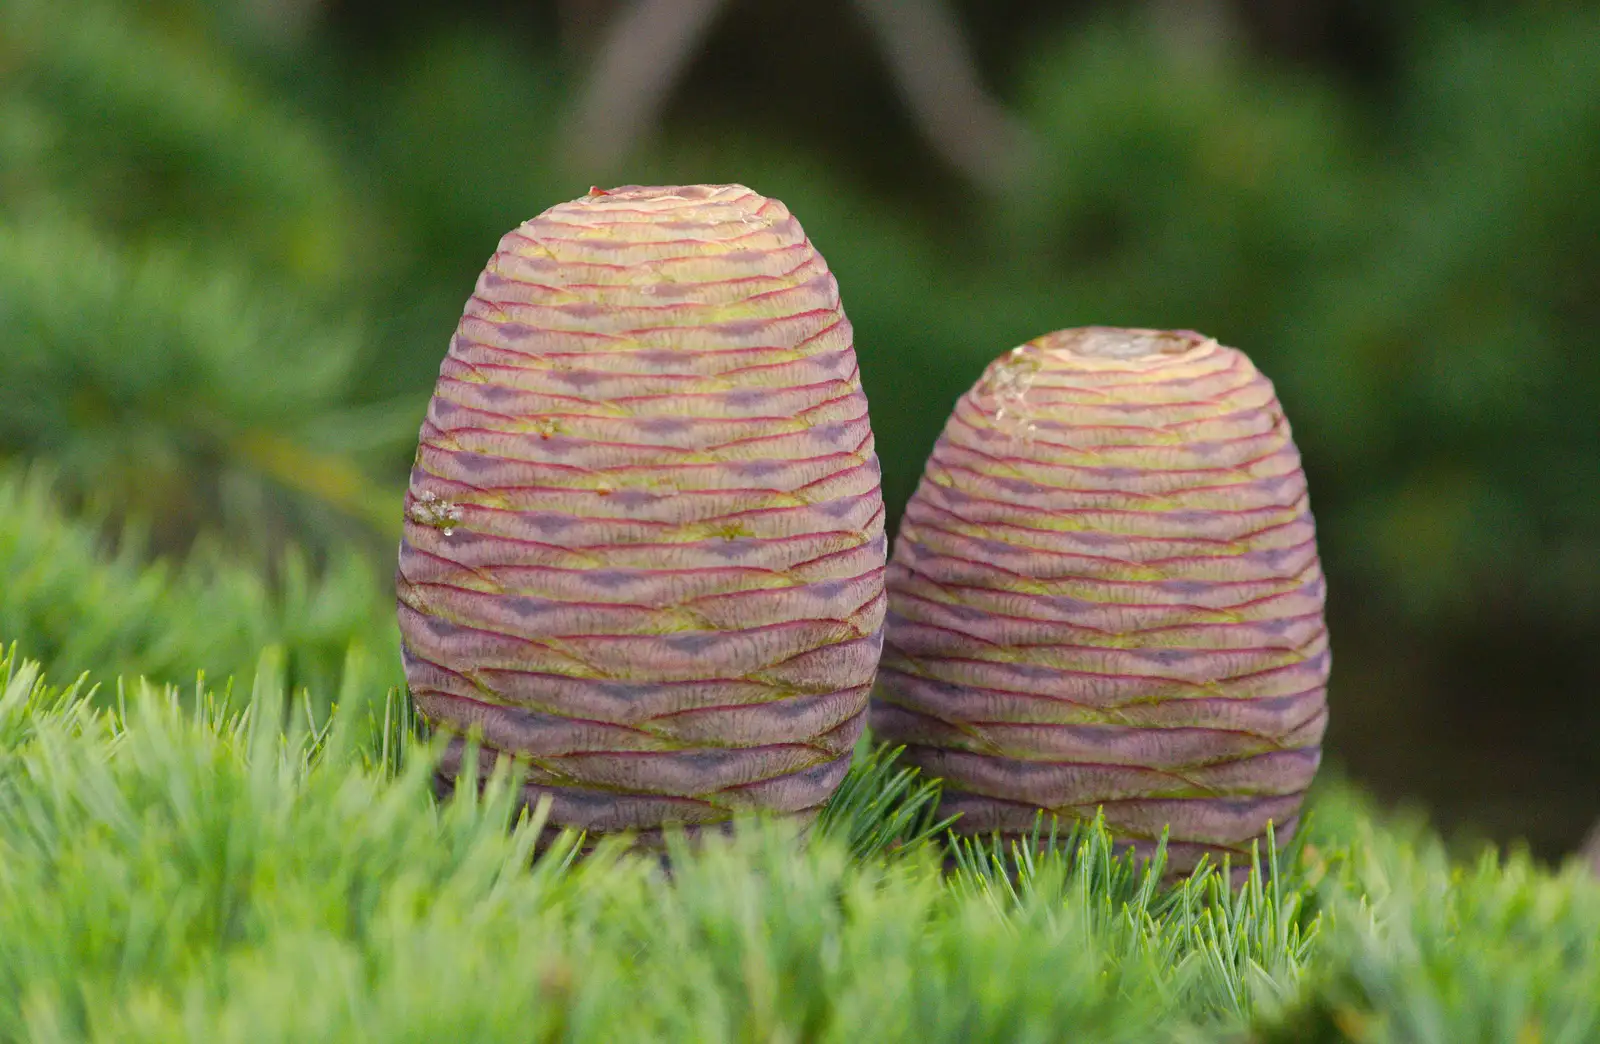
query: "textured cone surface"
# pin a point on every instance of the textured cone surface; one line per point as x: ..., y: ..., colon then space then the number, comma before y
x: 644, y: 541
x: 1105, y: 592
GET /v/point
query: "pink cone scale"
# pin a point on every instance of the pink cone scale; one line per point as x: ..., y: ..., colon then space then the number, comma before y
x: 644, y: 544
x: 1105, y: 593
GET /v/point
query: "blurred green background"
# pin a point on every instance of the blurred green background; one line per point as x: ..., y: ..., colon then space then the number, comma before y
x: 235, y: 237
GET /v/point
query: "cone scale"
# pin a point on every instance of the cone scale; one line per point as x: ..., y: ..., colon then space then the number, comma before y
x: 644, y: 547
x: 1105, y: 593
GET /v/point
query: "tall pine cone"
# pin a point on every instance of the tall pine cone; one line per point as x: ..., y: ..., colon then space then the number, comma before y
x: 1106, y: 593
x: 644, y: 541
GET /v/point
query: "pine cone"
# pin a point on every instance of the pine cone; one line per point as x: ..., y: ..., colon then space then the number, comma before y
x: 1106, y: 593
x: 644, y: 542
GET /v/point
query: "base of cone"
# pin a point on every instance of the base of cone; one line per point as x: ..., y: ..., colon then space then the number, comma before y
x: 985, y: 817
x: 648, y: 841
x: 598, y: 811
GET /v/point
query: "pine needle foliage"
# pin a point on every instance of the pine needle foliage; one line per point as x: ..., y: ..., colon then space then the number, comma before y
x: 183, y: 248
x: 176, y: 865
x: 83, y: 603
x: 140, y: 119
x: 882, y: 806
x: 173, y: 389
x: 1228, y: 950
x: 1426, y: 949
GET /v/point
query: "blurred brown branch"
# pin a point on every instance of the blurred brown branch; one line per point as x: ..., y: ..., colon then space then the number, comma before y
x: 1196, y: 33
x: 936, y: 74
x: 282, y: 22
x: 1591, y: 849
x: 648, y: 43
x: 645, y: 48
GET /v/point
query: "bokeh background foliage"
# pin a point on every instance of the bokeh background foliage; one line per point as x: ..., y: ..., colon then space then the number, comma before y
x: 235, y: 237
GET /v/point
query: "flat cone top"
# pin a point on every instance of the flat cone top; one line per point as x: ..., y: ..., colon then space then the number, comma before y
x: 650, y: 247
x: 732, y: 210
x: 1111, y: 342
x: 1093, y: 376
x: 664, y: 194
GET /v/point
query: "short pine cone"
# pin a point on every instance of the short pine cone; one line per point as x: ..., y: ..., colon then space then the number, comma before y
x: 644, y: 543
x: 1105, y: 593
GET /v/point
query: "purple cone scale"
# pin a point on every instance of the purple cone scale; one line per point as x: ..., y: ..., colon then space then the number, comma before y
x: 644, y: 544
x: 1105, y: 593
